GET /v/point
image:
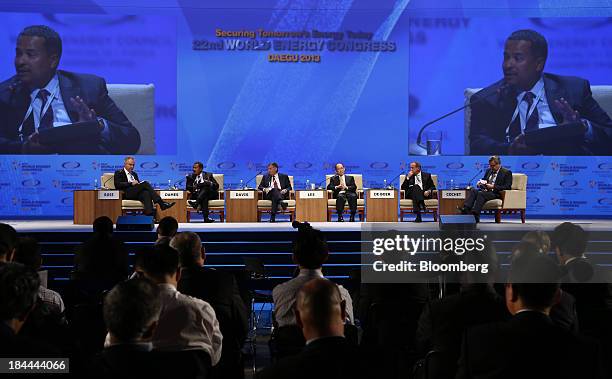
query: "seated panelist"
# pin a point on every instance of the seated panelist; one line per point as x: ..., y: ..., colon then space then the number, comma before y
x: 275, y: 187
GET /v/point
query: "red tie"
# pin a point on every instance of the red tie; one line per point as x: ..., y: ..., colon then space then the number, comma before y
x: 275, y: 183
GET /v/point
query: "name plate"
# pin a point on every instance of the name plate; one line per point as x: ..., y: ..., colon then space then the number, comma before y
x: 311, y: 194
x: 108, y: 195
x: 171, y: 194
x: 242, y: 195
x: 382, y: 194
x: 453, y: 194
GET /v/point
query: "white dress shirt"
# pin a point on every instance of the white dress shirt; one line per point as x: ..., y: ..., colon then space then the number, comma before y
x: 187, y: 323
x: 418, y: 180
x: 284, y: 296
x: 60, y: 115
x: 342, y: 183
x: 129, y: 175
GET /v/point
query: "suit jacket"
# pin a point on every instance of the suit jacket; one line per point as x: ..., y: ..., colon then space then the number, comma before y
x: 443, y: 322
x: 503, y: 181
x: 220, y: 290
x: 335, y: 181
x: 529, y: 345
x: 492, y: 111
x: 121, y: 180
x: 15, y: 100
x: 189, y: 184
x: 330, y: 357
x: 428, y: 184
x: 285, y: 183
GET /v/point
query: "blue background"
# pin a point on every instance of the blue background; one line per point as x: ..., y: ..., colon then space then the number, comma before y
x: 235, y: 111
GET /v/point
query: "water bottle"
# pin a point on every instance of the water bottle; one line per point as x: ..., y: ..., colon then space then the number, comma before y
x: 452, y: 184
x: 95, y: 184
x: 169, y: 184
x: 385, y: 183
x: 241, y: 186
x: 307, y: 184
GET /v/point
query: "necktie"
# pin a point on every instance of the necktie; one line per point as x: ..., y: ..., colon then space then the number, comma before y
x: 342, y: 181
x: 418, y: 180
x: 275, y: 182
x: 46, y: 120
x: 533, y: 121
x: 131, y: 177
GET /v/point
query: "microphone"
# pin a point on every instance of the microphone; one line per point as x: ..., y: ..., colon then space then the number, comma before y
x: 390, y: 182
x: 473, y: 177
x: 320, y: 184
x: 504, y: 90
x: 14, y: 85
x: 248, y: 181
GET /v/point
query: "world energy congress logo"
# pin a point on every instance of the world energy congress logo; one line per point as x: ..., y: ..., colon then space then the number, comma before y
x: 530, y: 165
x: 302, y: 165
x: 227, y: 165
x: 569, y: 183
x: 150, y: 165
x: 30, y: 183
x: 71, y: 165
x: 379, y: 165
x: 607, y: 201
x: 455, y: 165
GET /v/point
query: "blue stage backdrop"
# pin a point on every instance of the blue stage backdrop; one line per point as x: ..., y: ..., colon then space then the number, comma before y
x: 303, y: 83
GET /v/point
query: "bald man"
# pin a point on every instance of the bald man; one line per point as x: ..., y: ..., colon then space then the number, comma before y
x: 320, y: 313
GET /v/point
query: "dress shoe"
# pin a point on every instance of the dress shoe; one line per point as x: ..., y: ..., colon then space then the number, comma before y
x: 283, y: 205
x: 208, y: 220
x: 192, y: 203
x: 340, y: 218
x: 463, y: 210
x: 476, y: 216
x: 165, y: 205
x: 418, y: 219
x: 352, y: 218
x: 273, y: 218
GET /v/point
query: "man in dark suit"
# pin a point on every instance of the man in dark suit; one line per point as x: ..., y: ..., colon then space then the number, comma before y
x: 527, y: 99
x: 220, y: 290
x: 202, y: 187
x: 320, y: 313
x: 40, y: 97
x: 418, y: 186
x: 344, y: 190
x: 530, y: 344
x: 495, y: 180
x: 127, y: 181
x: 275, y: 187
x: 589, y: 283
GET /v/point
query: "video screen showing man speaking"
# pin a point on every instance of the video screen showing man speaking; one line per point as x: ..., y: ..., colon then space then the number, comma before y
x: 85, y: 85
x: 530, y: 86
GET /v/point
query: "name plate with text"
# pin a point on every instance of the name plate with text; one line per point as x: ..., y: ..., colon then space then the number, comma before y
x: 108, y: 195
x: 171, y: 194
x: 242, y: 195
x: 311, y: 194
x: 453, y: 194
x: 382, y: 194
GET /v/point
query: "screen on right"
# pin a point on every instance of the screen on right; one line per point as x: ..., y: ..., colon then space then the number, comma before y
x: 531, y: 86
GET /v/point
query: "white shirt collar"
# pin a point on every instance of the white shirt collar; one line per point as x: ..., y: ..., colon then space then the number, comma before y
x: 310, y: 272
x: 127, y: 172
x: 51, y: 87
x: 572, y: 258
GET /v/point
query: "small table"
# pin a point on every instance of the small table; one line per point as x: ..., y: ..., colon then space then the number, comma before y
x: 311, y: 205
x: 449, y: 200
x: 178, y: 210
x: 382, y: 205
x: 91, y: 204
x: 241, y: 205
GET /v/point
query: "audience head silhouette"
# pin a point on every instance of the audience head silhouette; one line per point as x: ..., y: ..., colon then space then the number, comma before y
x: 103, y: 226
x: 320, y: 310
x: 131, y: 311
x: 190, y: 249
x: 309, y: 247
x: 569, y: 241
x: 166, y: 229
x: 18, y: 294
x: 534, y: 283
x: 8, y: 239
x: 27, y: 252
x: 160, y: 264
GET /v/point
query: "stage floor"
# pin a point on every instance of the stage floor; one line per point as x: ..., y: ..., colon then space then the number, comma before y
x: 50, y: 226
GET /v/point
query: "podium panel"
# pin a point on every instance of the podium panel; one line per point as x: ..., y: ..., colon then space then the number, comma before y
x: 311, y: 205
x: 449, y: 200
x: 241, y: 205
x: 382, y: 205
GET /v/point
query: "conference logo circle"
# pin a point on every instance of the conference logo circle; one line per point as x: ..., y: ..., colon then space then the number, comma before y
x: 568, y: 183
x: 379, y: 165
x: 302, y: 165
x: 530, y: 165
x: 226, y: 165
x: 30, y: 183
x: 605, y: 166
x: 455, y: 165
x: 71, y: 165
x: 67, y: 201
x: 605, y: 201
x: 149, y: 165
x: 533, y: 200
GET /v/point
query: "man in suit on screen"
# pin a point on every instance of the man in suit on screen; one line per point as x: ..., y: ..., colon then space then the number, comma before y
x: 528, y: 100
x: 344, y: 190
x: 41, y: 97
x: 127, y: 181
x: 418, y: 186
x: 203, y: 187
x: 495, y: 180
x: 275, y: 187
